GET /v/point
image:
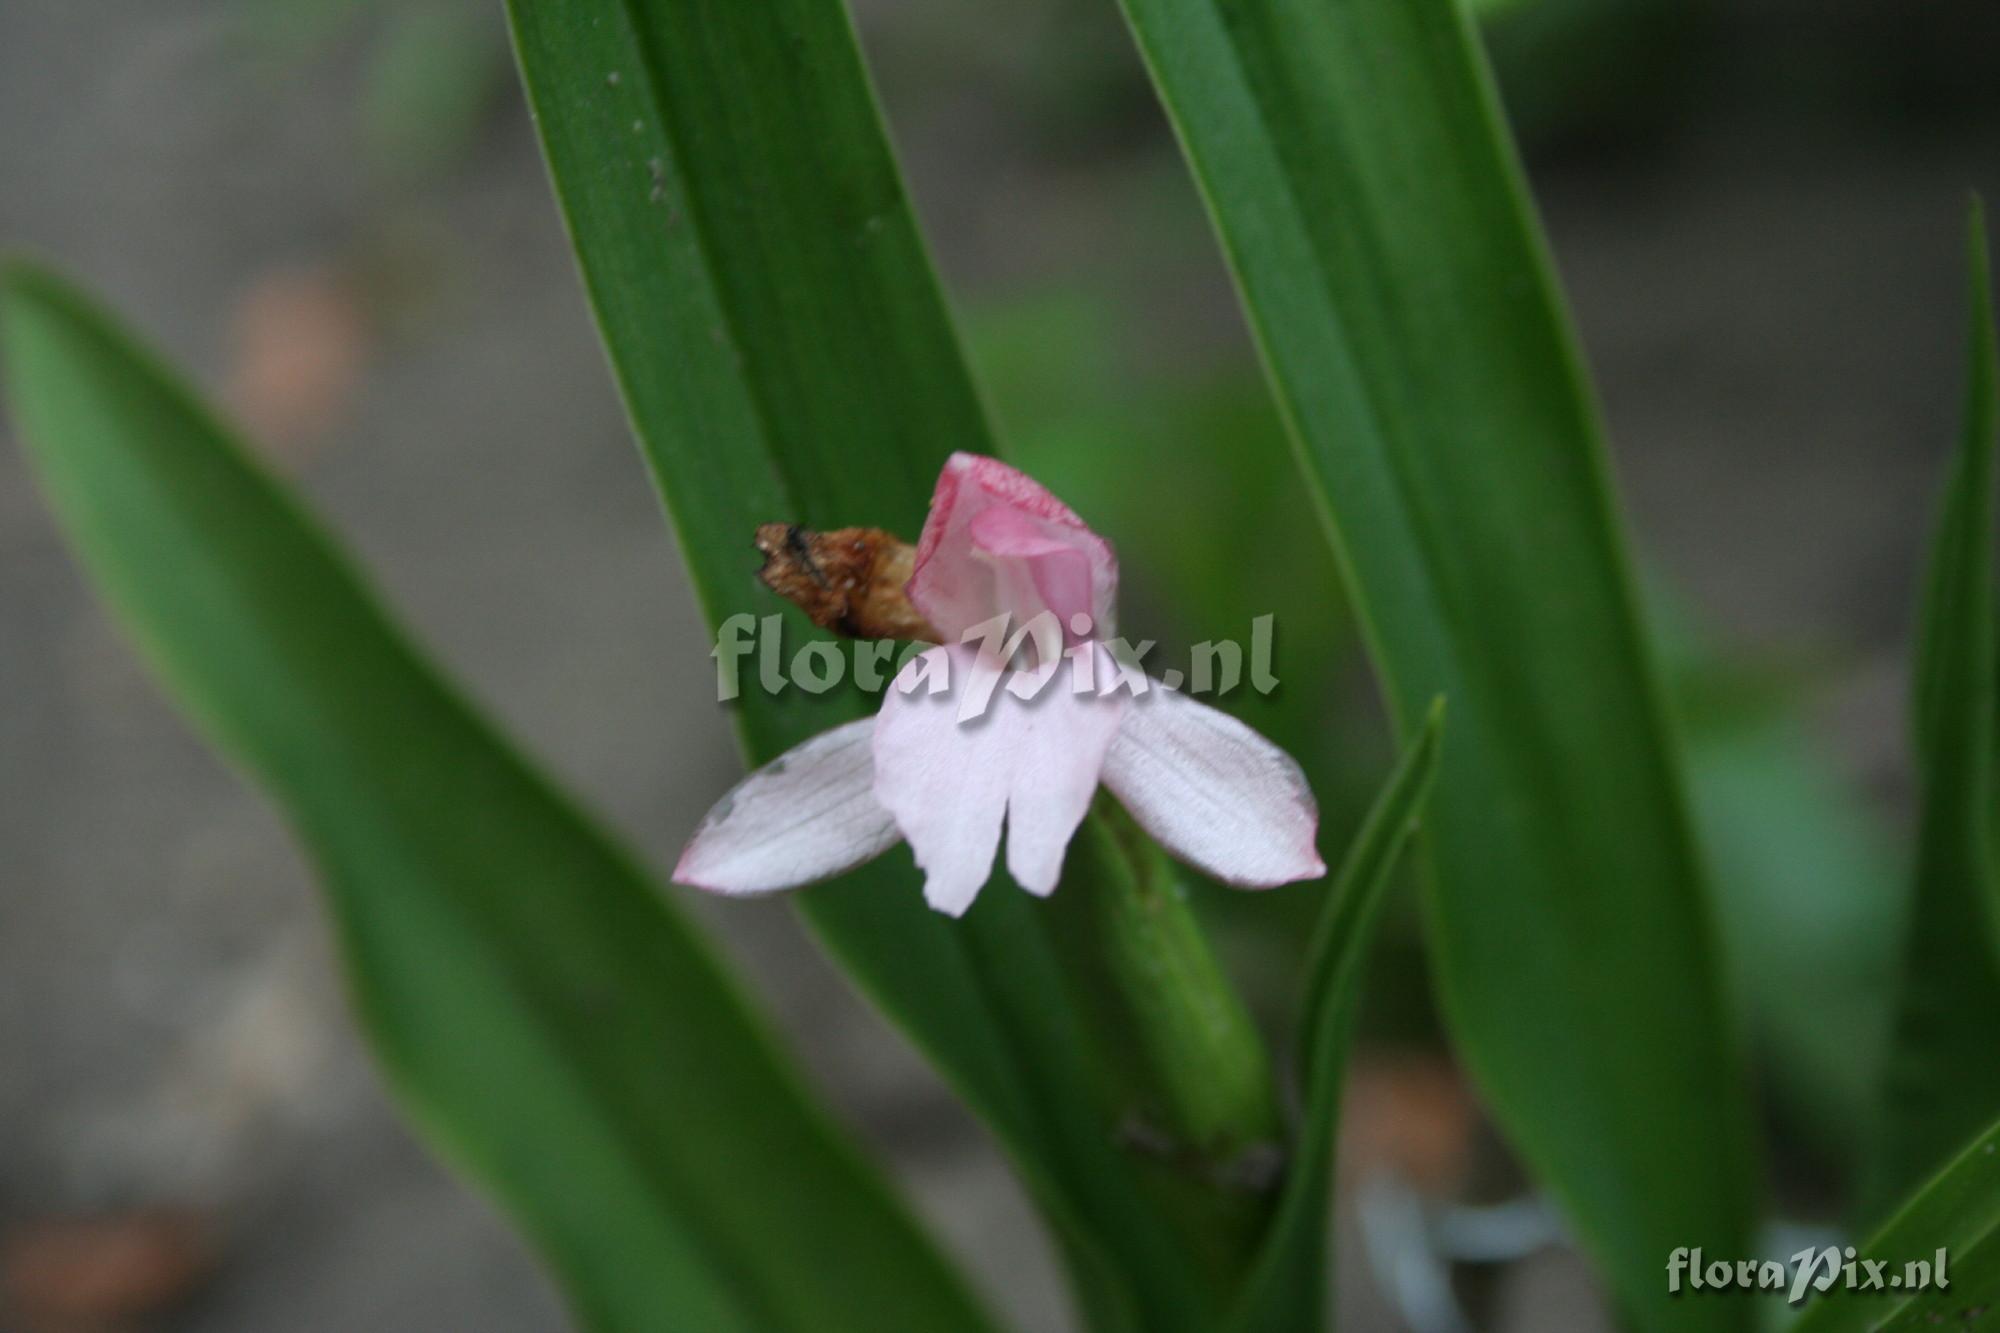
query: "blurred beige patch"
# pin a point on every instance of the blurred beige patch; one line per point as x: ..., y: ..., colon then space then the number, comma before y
x: 298, y: 341
x: 1409, y: 1114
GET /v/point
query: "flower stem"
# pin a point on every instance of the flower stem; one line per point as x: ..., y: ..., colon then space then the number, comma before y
x: 1193, y: 1073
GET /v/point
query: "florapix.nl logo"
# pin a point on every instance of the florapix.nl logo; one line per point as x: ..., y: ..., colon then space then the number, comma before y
x: 1809, y: 1270
x: 751, y: 653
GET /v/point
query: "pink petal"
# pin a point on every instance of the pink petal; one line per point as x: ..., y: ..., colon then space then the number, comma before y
x: 996, y: 542
x: 1213, y: 792
x: 949, y: 783
x: 807, y: 815
x: 1058, y: 572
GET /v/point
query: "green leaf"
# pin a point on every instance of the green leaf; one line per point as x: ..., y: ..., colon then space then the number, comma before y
x: 1287, y: 1289
x: 1958, y: 1212
x: 1969, y: 1300
x: 1799, y: 855
x: 1353, y: 155
x: 1943, y: 1079
x: 553, y: 1025
x: 785, y: 355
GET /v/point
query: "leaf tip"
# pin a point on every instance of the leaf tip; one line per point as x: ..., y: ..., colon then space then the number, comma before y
x: 1976, y: 254
x: 1431, y: 735
x: 22, y: 277
x: 29, y: 288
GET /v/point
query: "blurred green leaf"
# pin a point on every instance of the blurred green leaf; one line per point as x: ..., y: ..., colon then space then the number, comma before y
x: 1798, y: 855
x: 1943, y: 1077
x: 1355, y: 160
x: 785, y: 355
x: 1800, y: 858
x: 433, y: 75
x: 1958, y: 1211
x: 556, y: 1029
x: 288, y: 32
x: 1287, y: 1290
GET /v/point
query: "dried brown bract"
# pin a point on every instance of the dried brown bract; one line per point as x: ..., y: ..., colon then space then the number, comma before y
x: 850, y: 580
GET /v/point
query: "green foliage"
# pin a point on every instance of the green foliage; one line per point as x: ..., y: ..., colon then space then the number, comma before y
x: 785, y: 356
x: 1943, y: 1078
x: 1957, y: 1211
x: 1798, y: 855
x: 1354, y: 158
x: 540, y: 1010
x: 434, y: 74
x: 1287, y: 1291
x: 430, y: 72
x: 784, y: 353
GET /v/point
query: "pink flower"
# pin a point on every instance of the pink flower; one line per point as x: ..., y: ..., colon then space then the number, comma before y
x: 996, y: 544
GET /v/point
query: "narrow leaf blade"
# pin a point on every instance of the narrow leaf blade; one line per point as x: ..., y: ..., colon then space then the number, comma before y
x: 1943, y: 1078
x: 1958, y: 1212
x: 553, y: 1025
x: 1286, y: 1292
x: 1354, y: 159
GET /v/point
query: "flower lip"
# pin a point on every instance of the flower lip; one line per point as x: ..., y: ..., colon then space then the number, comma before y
x: 1032, y: 761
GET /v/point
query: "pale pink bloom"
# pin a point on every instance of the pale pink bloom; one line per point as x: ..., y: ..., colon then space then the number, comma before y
x: 1212, y: 791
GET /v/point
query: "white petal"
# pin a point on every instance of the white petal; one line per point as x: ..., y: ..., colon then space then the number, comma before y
x: 929, y: 778
x: 1067, y: 737
x: 807, y: 815
x: 949, y: 781
x: 1213, y: 792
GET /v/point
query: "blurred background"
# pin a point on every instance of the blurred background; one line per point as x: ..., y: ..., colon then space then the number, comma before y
x: 333, y: 214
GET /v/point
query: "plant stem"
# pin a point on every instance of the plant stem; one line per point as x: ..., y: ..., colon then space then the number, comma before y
x: 1191, y: 1071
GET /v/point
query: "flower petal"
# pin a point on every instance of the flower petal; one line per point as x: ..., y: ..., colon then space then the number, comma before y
x: 1067, y: 737
x: 930, y: 775
x: 1057, y: 573
x: 962, y: 576
x: 807, y: 815
x: 949, y: 781
x: 1213, y: 792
